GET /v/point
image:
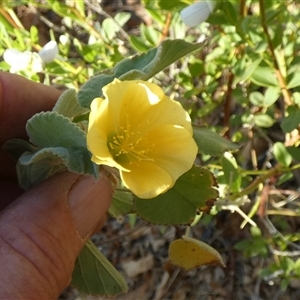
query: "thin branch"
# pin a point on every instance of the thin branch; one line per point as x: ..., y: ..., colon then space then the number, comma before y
x: 285, y: 92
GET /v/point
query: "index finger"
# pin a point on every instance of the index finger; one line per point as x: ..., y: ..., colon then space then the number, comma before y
x: 20, y: 99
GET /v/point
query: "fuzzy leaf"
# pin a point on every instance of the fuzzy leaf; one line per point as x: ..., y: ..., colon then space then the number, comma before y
x: 68, y: 106
x: 142, y: 67
x: 33, y: 168
x: 50, y: 129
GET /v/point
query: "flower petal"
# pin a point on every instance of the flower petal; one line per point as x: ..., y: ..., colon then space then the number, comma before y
x: 197, y: 13
x: 17, y: 60
x: 179, y: 152
x: 170, y: 158
x: 97, y: 134
x: 147, y: 180
x: 49, y: 52
x: 129, y: 96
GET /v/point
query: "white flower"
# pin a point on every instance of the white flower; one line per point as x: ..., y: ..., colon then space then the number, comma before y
x: 197, y: 13
x: 49, y: 52
x: 20, y: 61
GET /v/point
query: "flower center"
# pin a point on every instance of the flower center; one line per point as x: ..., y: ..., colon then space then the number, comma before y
x: 128, y: 146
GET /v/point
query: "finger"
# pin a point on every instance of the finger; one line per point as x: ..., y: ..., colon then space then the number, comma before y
x: 9, y: 191
x: 20, y: 99
x: 43, y: 231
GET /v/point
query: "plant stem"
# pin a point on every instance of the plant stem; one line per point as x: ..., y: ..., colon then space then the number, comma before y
x: 243, y: 8
x: 255, y: 183
x: 285, y: 92
x: 261, y: 179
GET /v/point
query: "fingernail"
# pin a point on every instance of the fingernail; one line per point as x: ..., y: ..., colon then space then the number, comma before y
x: 89, y: 200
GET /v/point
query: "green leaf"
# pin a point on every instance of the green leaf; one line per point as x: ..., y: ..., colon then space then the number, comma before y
x: 63, y: 145
x: 245, y: 68
x: 122, y: 203
x: 256, y: 98
x: 294, y: 152
x: 271, y: 95
x: 17, y: 147
x: 121, y: 18
x: 151, y: 35
x: 292, y: 120
x: 230, y: 12
x: 50, y: 129
x: 294, y: 81
x: 68, y: 106
x: 33, y: 170
x: 139, y: 43
x: 110, y: 28
x: 141, y: 67
x: 281, y: 154
x: 174, y: 4
x: 263, y: 120
x: 212, y: 143
x: 95, y: 275
x: 193, y: 191
x: 231, y: 172
x: 264, y: 76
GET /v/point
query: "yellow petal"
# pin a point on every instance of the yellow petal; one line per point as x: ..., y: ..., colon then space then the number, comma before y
x: 175, y: 150
x: 99, y: 128
x: 119, y: 91
x: 147, y: 180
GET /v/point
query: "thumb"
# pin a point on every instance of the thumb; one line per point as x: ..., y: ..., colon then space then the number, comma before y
x: 43, y: 231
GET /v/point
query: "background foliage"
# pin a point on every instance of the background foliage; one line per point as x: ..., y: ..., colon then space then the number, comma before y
x: 244, y: 84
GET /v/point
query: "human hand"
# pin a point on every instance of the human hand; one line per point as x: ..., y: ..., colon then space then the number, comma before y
x: 43, y: 229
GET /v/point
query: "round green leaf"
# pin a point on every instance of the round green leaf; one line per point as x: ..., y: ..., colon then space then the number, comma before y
x: 256, y: 98
x: 292, y: 120
x: 264, y: 76
x: 263, y: 120
x: 271, y: 95
x: 281, y: 154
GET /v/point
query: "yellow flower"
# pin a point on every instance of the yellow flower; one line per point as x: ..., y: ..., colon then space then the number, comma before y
x: 143, y: 133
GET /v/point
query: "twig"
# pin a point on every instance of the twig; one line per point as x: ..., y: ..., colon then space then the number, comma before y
x: 243, y: 8
x: 100, y: 11
x: 166, y: 28
x: 227, y: 104
x: 285, y: 92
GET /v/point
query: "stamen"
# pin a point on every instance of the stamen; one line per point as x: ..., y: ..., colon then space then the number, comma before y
x: 125, y: 146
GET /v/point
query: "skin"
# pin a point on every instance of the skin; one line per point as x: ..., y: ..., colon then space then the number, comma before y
x: 43, y: 229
